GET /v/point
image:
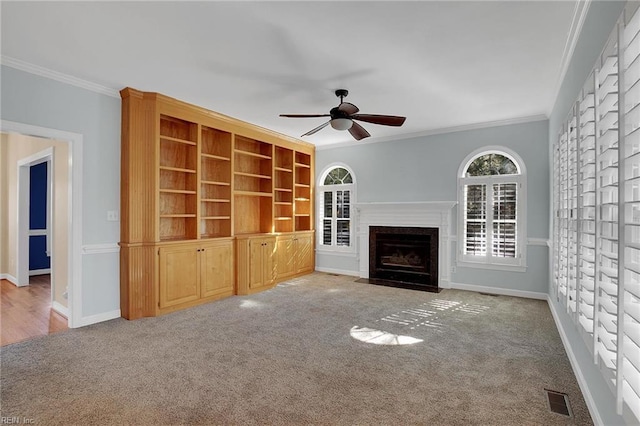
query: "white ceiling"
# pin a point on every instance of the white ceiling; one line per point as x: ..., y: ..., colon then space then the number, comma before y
x: 442, y: 64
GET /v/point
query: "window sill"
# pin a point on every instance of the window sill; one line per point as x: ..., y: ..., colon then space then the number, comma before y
x: 342, y: 253
x: 492, y: 266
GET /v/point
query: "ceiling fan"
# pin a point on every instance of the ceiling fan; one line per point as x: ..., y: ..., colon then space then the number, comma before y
x: 343, y: 115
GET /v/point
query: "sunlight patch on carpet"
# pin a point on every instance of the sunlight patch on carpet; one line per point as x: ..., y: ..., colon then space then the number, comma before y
x: 249, y: 304
x: 379, y: 337
x: 444, y: 305
x: 431, y: 314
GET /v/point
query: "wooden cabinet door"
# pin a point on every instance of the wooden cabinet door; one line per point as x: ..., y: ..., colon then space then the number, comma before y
x: 216, y: 268
x: 269, y: 261
x: 179, y: 275
x: 256, y: 248
x: 304, y: 253
x: 285, y: 256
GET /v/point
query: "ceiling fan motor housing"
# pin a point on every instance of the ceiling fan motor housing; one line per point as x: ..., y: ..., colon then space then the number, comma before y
x: 342, y: 93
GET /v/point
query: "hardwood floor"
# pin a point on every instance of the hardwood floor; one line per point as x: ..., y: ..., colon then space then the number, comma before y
x: 26, y: 311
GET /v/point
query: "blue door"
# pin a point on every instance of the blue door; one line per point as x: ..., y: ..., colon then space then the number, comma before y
x: 39, y: 260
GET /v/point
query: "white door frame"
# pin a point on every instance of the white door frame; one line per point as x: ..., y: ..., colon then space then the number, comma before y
x: 24, y: 190
x: 74, y: 255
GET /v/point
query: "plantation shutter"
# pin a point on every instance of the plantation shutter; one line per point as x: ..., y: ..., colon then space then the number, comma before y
x: 556, y: 216
x: 606, y: 296
x: 475, y: 221
x: 629, y: 377
x: 572, y: 237
x: 587, y: 206
x: 563, y: 216
x: 606, y: 242
x: 327, y: 218
x: 503, y: 240
x: 343, y: 221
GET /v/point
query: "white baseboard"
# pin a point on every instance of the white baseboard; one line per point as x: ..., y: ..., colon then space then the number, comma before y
x: 13, y: 280
x: 501, y: 291
x: 444, y: 283
x: 591, y: 405
x: 338, y: 271
x: 93, y: 319
x: 39, y: 272
x: 61, y: 309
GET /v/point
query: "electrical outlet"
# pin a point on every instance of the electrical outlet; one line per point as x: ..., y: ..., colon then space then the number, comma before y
x: 112, y: 215
x: 453, y: 269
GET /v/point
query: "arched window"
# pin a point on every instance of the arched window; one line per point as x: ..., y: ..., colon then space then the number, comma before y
x: 492, y: 196
x: 335, y: 197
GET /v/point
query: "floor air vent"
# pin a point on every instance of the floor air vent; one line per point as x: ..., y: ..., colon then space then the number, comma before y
x: 558, y: 402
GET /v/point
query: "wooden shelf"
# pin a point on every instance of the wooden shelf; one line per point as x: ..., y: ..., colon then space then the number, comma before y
x: 216, y: 217
x: 212, y: 182
x: 177, y: 191
x: 253, y: 193
x: 303, y: 185
x: 282, y: 169
x: 177, y: 215
x: 283, y: 218
x: 252, y: 175
x: 301, y: 199
x: 178, y: 140
x: 252, y: 154
x: 215, y: 200
x: 215, y: 157
x: 303, y: 165
x: 283, y: 189
x: 177, y: 169
x: 170, y: 239
x: 302, y: 215
x: 283, y: 203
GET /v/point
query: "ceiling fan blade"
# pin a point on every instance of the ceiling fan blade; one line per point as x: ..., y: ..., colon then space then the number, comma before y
x: 348, y: 108
x: 358, y: 132
x: 317, y: 129
x: 304, y: 115
x: 385, y: 120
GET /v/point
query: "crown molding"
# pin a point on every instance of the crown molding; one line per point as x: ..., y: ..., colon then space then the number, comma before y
x: 577, y: 21
x: 454, y: 129
x: 57, y: 76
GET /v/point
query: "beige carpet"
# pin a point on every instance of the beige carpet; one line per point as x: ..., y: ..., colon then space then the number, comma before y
x: 320, y: 349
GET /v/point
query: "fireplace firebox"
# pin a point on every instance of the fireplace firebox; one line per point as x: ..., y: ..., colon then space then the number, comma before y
x: 404, y: 257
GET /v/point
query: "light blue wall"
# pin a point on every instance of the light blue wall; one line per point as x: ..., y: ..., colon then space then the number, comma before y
x: 424, y: 169
x: 597, y: 26
x: 34, y: 100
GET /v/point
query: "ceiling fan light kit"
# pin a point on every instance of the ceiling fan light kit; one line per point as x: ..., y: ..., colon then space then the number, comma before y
x: 342, y: 116
x: 341, y: 123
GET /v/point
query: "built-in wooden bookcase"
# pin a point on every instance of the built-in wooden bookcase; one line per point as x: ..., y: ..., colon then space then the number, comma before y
x: 283, y: 190
x: 253, y: 186
x: 201, y: 195
x: 302, y: 191
x: 178, y: 179
x: 215, y: 183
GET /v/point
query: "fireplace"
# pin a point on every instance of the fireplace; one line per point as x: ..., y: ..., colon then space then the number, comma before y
x: 404, y: 257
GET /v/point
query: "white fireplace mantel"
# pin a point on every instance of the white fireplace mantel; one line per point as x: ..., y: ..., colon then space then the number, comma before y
x: 428, y: 214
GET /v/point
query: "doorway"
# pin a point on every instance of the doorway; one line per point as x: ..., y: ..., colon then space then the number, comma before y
x: 26, y: 216
x: 71, y: 186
